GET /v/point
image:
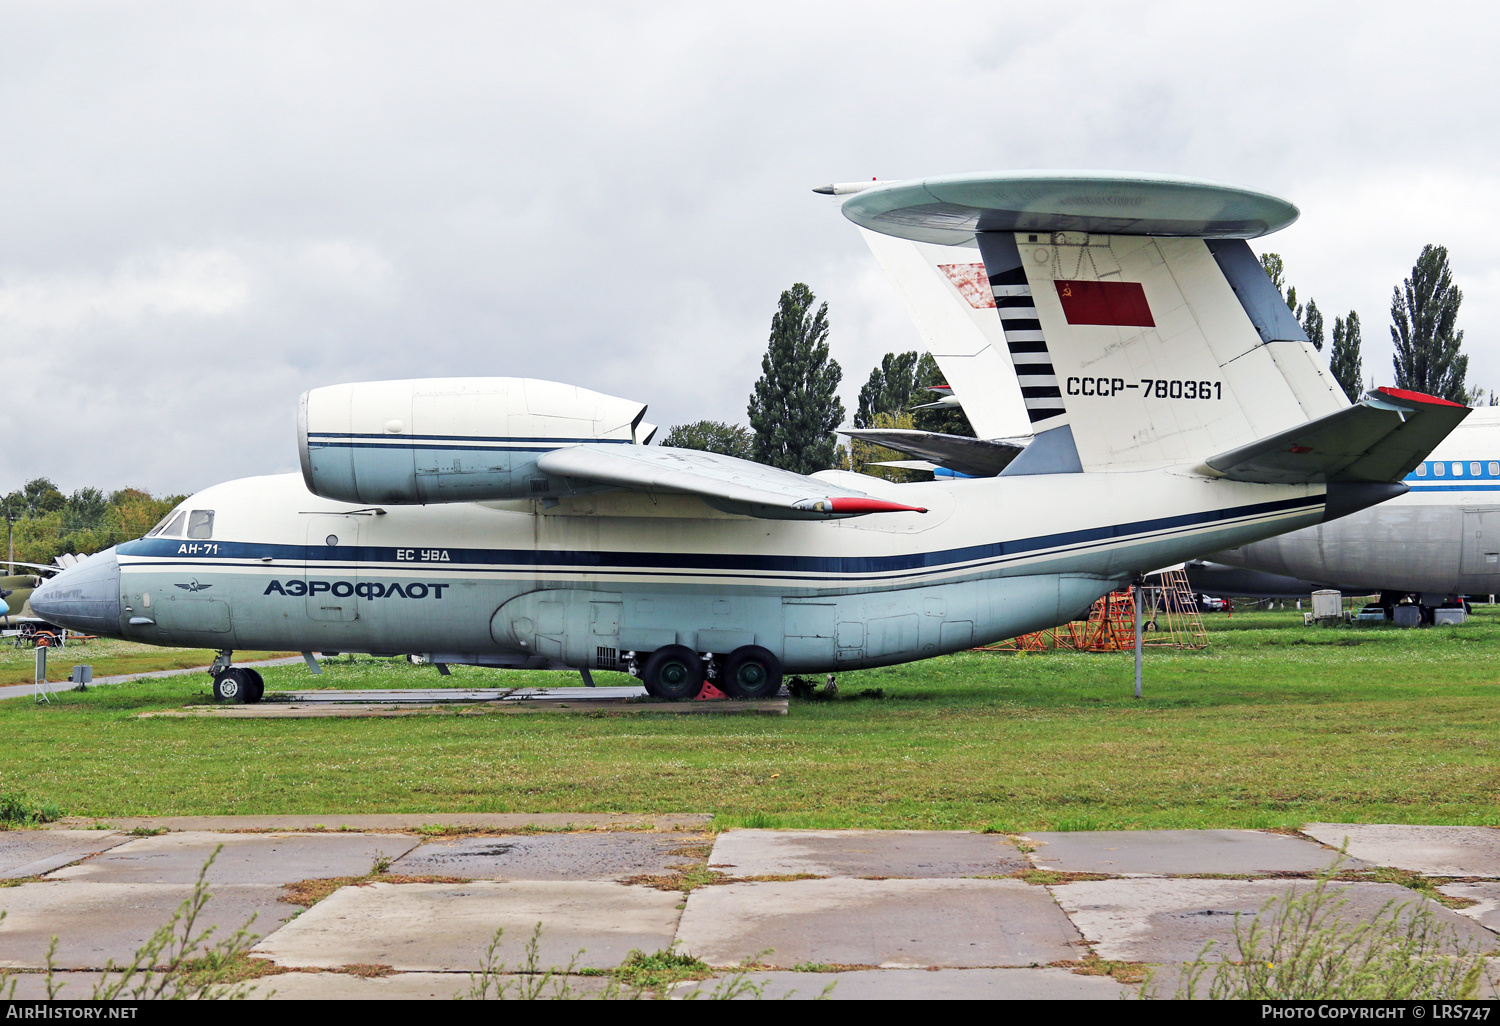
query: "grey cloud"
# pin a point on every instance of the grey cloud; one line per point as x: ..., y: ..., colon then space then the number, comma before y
x: 206, y: 209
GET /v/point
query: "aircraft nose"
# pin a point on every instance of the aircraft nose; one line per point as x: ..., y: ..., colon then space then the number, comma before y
x: 85, y: 597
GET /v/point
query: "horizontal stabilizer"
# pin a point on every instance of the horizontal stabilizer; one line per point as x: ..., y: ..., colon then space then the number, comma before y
x: 724, y: 482
x: 1380, y: 439
x: 974, y: 456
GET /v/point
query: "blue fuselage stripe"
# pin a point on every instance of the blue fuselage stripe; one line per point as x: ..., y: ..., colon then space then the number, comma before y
x: 718, y: 562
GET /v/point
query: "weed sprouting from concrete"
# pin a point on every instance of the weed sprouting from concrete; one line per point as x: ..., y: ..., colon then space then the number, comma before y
x: 1302, y: 947
x: 178, y: 961
x: 528, y: 981
x: 639, y: 976
x: 660, y: 970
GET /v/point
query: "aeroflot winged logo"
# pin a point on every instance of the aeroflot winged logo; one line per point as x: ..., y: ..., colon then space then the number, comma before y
x: 195, y: 586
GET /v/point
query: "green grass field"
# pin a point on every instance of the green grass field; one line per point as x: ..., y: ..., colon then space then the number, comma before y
x: 1275, y: 725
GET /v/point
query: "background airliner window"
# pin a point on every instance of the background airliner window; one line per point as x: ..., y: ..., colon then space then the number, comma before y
x: 201, y: 524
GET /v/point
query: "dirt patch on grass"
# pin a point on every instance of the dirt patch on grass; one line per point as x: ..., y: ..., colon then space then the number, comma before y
x: 1048, y: 877
x: 365, y: 970
x: 1426, y: 886
x: 679, y: 878
x: 308, y: 893
x: 241, y: 968
x: 1122, y: 972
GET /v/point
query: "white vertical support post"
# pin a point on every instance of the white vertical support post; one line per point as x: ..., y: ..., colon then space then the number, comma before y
x: 41, y: 689
x: 1137, y: 590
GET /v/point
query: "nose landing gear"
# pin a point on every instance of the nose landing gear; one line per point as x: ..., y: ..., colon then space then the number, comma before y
x: 235, y: 683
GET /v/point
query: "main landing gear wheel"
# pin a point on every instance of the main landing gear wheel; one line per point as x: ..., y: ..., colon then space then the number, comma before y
x: 255, y: 685
x: 674, y: 673
x: 751, y: 672
x: 239, y: 685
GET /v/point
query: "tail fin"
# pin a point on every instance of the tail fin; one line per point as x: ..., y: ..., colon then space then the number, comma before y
x: 1142, y: 330
x: 1152, y: 350
x: 948, y: 297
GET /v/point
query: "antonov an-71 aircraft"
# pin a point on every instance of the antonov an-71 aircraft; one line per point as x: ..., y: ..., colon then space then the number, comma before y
x: 515, y: 522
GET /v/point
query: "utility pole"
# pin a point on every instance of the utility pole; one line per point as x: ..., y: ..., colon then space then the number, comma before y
x: 10, y: 539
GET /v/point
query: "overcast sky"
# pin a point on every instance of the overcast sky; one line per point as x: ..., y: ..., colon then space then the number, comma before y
x: 206, y: 209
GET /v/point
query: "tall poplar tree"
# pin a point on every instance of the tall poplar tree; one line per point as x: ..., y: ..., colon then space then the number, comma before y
x: 1312, y: 323
x: 948, y: 420
x: 1344, y: 360
x: 888, y: 390
x: 1309, y: 316
x: 795, y: 406
x: 1424, y: 309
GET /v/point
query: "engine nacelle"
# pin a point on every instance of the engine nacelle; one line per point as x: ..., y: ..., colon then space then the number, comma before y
x: 450, y: 439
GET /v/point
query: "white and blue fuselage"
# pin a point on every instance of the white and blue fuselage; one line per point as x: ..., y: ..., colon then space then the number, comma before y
x: 592, y: 578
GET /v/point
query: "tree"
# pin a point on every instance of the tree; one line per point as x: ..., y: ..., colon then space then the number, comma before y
x: 794, y: 407
x: 948, y: 420
x: 1345, y: 360
x: 36, y: 498
x: 1312, y: 323
x: 889, y: 389
x: 1424, y: 309
x: 86, y: 508
x: 1309, y: 316
x: 1275, y: 270
x: 712, y: 436
x: 862, y: 453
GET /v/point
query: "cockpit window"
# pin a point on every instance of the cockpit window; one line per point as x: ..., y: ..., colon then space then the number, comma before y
x: 201, y: 524
x: 170, y: 525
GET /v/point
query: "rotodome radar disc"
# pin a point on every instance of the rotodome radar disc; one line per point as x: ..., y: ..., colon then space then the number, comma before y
x: 950, y: 209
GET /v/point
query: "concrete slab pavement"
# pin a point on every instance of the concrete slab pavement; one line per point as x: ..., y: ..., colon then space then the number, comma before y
x: 246, y: 858
x: 914, y: 903
x: 889, y: 923
x: 589, y: 856
x: 96, y: 922
x: 1152, y: 920
x: 1487, y: 895
x: 924, y: 985
x: 72, y: 986
x: 917, y: 854
x: 34, y: 852
x: 1430, y: 850
x: 437, y: 927
x: 302, y: 986
x: 1173, y: 852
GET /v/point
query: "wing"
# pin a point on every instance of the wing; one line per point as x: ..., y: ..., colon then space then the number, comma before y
x: 49, y: 567
x: 1381, y: 439
x: 973, y: 456
x: 724, y: 482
